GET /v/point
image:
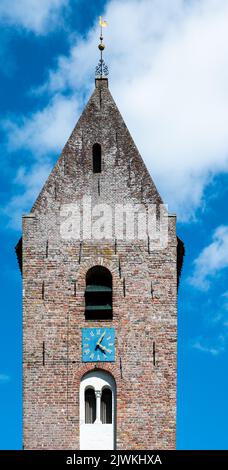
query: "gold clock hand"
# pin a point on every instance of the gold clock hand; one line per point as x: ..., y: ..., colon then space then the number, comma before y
x: 102, y: 336
x: 104, y: 348
x: 108, y: 350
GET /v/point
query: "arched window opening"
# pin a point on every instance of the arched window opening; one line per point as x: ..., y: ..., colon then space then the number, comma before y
x: 90, y: 406
x: 98, y: 294
x: 97, y: 419
x: 106, y: 406
x: 96, y: 158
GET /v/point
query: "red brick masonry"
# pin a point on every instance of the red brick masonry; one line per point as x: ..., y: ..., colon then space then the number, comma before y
x: 53, y: 296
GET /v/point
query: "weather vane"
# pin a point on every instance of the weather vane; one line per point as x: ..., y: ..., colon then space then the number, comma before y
x: 102, y: 68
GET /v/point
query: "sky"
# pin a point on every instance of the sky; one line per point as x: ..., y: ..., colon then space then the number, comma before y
x: 168, y: 73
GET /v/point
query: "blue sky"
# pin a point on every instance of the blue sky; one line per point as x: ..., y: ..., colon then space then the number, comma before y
x: 168, y: 66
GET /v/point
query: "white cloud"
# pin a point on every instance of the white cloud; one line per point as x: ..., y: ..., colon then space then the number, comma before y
x: 168, y: 74
x: 212, y: 259
x: 39, y: 16
x: 219, y: 348
x: 4, y: 378
x: 44, y: 131
x: 214, y: 338
x: 28, y: 185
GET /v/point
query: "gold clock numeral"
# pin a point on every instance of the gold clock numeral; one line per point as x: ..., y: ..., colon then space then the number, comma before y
x: 86, y: 351
x: 91, y: 333
x: 109, y: 337
x: 92, y: 356
x: 98, y: 332
x: 110, y: 344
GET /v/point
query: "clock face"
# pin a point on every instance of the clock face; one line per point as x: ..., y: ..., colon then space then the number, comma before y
x: 98, y: 344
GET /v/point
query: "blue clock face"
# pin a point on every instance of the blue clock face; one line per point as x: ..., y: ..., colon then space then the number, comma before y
x: 98, y: 344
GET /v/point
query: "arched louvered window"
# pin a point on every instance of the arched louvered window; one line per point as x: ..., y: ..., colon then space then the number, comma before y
x: 106, y: 406
x: 90, y: 406
x: 98, y: 294
x: 96, y: 158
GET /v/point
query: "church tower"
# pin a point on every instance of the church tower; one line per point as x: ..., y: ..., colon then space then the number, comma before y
x: 101, y: 263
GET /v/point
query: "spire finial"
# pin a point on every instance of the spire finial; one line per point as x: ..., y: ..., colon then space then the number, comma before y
x: 102, y: 68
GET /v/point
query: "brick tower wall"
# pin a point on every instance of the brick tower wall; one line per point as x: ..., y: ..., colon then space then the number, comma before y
x: 54, y: 273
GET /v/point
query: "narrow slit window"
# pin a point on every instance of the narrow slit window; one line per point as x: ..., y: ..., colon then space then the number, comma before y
x: 106, y: 406
x: 90, y: 406
x: 96, y: 158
